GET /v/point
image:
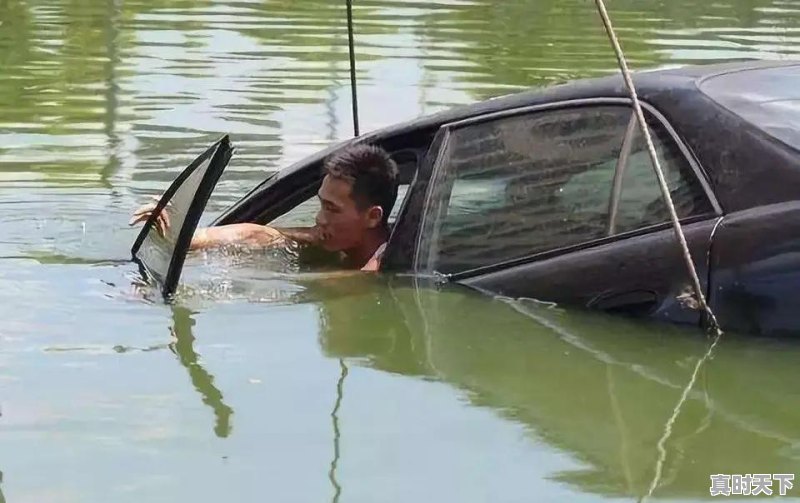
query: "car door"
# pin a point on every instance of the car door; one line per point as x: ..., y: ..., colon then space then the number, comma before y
x: 560, y: 203
x: 161, y: 256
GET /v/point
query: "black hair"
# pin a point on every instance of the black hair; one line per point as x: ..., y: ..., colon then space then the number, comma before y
x: 372, y: 172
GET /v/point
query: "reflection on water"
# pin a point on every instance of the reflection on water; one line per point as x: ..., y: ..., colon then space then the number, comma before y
x: 597, y: 387
x: 359, y: 380
x: 203, y: 382
x: 337, y: 434
x: 449, y: 396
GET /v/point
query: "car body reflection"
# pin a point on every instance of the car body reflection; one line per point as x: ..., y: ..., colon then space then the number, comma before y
x: 600, y: 388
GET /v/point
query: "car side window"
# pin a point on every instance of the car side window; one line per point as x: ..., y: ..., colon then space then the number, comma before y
x: 640, y: 201
x: 517, y: 186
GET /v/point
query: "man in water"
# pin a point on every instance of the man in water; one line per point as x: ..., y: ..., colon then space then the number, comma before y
x: 357, y: 194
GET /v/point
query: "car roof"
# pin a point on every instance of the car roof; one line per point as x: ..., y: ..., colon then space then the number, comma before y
x: 743, y: 161
x: 767, y: 97
x: 674, y: 91
x: 648, y: 83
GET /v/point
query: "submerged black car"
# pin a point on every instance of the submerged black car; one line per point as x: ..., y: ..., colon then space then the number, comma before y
x: 550, y: 194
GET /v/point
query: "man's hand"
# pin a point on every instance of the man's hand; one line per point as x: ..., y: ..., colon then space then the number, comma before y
x: 141, y: 215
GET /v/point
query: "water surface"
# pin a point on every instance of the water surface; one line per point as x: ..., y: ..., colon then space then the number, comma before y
x: 258, y: 385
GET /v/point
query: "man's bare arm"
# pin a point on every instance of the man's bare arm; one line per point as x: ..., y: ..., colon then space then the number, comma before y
x: 234, y: 234
x: 253, y: 235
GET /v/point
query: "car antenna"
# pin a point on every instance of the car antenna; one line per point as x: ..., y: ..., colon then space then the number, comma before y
x: 352, y: 47
x: 662, y: 182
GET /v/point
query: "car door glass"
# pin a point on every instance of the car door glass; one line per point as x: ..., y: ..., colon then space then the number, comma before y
x: 516, y: 186
x: 640, y: 202
x: 162, y: 256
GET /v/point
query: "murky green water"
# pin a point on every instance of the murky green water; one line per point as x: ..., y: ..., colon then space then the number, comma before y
x: 259, y: 386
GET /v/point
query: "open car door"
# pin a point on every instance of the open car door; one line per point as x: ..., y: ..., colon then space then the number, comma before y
x: 161, y: 257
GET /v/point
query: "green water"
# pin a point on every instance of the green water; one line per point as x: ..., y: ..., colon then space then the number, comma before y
x: 263, y: 386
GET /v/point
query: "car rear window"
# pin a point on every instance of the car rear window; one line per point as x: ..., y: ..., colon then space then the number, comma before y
x: 767, y: 97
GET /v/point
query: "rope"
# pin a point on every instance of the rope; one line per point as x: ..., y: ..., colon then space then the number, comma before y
x: 351, y: 45
x: 662, y: 442
x: 662, y: 182
x: 337, y: 488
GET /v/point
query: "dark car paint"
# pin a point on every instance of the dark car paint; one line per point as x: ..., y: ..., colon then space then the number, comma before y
x: 755, y: 270
x: 642, y: 275
x: 746, y: 168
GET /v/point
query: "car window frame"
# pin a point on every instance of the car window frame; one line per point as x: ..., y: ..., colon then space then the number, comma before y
x: 218, y: 156
x: 398, y: 257
x: 304, y: 182
x: 436, y: 172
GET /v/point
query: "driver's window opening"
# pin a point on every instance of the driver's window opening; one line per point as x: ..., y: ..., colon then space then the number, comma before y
x: 304, y: 214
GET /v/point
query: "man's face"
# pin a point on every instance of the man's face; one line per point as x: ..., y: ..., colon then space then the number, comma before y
x: 341, y: 223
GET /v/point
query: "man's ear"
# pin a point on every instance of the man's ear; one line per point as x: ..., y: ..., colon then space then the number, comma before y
x: 374, y: 216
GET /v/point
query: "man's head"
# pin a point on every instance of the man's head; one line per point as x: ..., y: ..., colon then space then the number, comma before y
x: 357, y: 195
